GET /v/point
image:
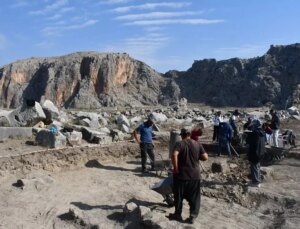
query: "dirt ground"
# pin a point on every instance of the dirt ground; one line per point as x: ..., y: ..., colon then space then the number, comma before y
x: 88, y: 187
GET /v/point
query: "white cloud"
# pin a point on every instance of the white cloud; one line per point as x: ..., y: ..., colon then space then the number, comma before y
x: 3, y: 42
x: 176, y: 21
x: 115, y: 1
x: 151, y: 6
x: 50, y: 8
x: 54, y: 17
x: 60, y: 13
x: 155, y: 15
x: 141, y: 47
x: 57, y: 30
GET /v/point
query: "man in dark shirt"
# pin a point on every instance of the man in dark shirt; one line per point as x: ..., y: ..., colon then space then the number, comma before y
x: 186, y: 175
x: 275, y: 125
x: 145, y: 141
x: 256, y: 140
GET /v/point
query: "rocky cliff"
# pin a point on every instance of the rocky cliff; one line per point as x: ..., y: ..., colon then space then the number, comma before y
x: 82, y: 80
x: 92, y: 80
x: 273, y: 78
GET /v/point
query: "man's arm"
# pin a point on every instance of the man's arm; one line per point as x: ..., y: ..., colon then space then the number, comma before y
x: 175, y: 161
x: 136, y: 136
x: 203, y: 154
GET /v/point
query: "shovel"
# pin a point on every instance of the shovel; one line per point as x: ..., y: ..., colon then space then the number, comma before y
x: 234, y: 151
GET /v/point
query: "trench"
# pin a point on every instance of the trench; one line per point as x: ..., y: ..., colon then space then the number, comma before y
x: 229, y: 186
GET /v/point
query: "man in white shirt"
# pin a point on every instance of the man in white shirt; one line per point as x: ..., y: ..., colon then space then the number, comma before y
x: 216, y: 121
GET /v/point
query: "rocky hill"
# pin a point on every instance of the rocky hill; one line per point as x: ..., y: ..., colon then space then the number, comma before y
x: 92, y: 80
x: 82, y: 80
x: 273, y: 78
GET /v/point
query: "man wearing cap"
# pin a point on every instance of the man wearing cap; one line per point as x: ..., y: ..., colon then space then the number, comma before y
x: 186, y: 175
x: 275, y: 125
x: 145, y: 141
x: 256, y: 140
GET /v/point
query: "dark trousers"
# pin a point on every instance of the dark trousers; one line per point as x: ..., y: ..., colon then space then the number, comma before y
x: 216, y: 133
x: 147, y: 148
x: 224, y: 147
x: 189, y: 190
x: 255, y: 172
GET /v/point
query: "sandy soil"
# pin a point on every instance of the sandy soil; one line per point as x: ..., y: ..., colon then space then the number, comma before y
x: 88, y: 188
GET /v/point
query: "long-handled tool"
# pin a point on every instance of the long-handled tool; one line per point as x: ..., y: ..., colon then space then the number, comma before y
x: 234, y: 150
x: 202, y: 166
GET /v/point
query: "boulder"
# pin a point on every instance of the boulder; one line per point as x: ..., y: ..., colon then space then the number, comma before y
x: 129, y: 207
x: 27, y: 115
x: 136, y: 120
x: 125, y: 129
x: 293, y: 110
x: 158, y: 117
x: 145, y: 212
x: 122, y: 120
x: 88, y: 119
x: 117, y: 135
x: 50, y: 140
x: 95, y: 137
x: 73, y: 138
x: 50, y: 110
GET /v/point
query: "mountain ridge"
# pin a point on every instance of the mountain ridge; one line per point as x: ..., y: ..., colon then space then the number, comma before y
x: 92, y: 80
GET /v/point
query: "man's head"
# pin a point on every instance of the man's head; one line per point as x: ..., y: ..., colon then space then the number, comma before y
x: 184, y: 133
x: 272, y: 112
x: 150, y: 121
x: 236, y: 112
x: 256, y: 124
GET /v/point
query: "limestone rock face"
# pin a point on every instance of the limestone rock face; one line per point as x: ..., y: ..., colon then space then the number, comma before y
x: 273, y: 78
x: 80, y: 80
x: 90, y: 80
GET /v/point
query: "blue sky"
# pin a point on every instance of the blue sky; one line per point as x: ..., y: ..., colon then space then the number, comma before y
x: 165, y: 34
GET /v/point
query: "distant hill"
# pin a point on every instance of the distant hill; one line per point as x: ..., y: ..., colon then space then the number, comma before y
x: 91, y: 80
x: 273, y: 78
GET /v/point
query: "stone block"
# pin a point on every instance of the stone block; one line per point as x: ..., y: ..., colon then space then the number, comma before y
x: 15, y: 132
x: 74, y: 137
x: 48, y: 139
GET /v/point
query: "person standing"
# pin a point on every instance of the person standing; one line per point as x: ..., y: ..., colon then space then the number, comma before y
x: 145, y: 141
x: 196, y: 133
x: 216, y: 121
x: 256, y: 150
x: 186, y: 175
x: 225, y: 136
x: 233, y: 122
x: 275, y: 126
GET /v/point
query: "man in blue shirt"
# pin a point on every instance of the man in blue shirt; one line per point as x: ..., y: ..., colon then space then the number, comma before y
x: 146, y: 132
x: 225, y: 136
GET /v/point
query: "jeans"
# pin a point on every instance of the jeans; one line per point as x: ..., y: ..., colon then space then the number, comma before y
x: 189, y: 190
x: 147, y: 148
x: 216, y: 133
x: 224, y: 146
x: 275, y: 135
x: 255, y: 172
